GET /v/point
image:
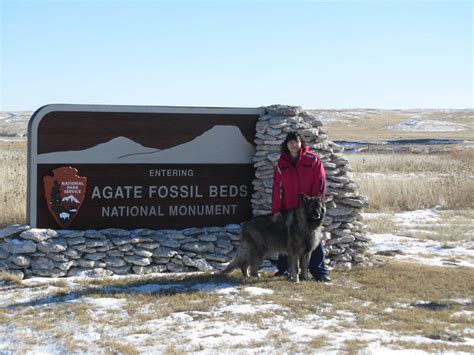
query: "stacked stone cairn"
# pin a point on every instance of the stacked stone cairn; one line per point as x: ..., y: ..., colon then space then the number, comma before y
x: 344, y: 232
x: 29, y: 252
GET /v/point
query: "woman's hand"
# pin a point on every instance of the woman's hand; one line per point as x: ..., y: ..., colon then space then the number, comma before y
x: 276, y: 217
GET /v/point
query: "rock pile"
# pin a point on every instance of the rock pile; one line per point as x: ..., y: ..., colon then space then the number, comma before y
x: 346, y: 241
x: 30, y: 252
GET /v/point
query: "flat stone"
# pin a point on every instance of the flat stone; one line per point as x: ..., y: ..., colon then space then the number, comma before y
x: 172, y: 267
x: 42, y: 263
x: 121, y: 240
x: 17, y: 246
x: 261, y: 126
x: 143, y: 252
x: 339, y: 211
x: 93, y: 234
x: 73, y: 254
x: 207, y: 238
x: 150, y: 245
x: 143, y: 232
x: 74, y: 240
x: 124, y: 270
x: 78, y: 247
x: 199, y: 247
x: 137, y: 260
x: 233, y: 228
x: 55, y: 245
x: 114, y: 262
x: 283, y: 110
x: 84, y: 263
x: 161, y: 260
x: 200, y: 264
x: 60, y: 257
x: 71, y: 233
x: 39, y: 235
x: 20, y: 260
x: 3, y: 253
x: 65, y: 266
x: 94, y: 243
x: 115, y: 253
x: 164, y: 253
x: 13, y: 230
x: 273, y: 131
x: 95, y: 256
x: 342, y: 240
x: 170, y: 243
x: 217, y: 257
x: 192, y: 231
x: 359, y: 202
x: 340, y: 232
x: 125, y: 247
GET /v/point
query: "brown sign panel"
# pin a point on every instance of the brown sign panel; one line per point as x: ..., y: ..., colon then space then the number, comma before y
x: 140, y: 167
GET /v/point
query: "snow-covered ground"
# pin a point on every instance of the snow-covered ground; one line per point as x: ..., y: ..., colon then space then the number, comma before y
x: 425, y: 250
x: 221, y: 330
x: 418, y: 124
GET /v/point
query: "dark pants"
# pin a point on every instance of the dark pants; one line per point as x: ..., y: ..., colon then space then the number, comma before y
x: 316, y: 263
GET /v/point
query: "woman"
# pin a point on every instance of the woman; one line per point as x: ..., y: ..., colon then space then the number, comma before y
x: 298, y: 170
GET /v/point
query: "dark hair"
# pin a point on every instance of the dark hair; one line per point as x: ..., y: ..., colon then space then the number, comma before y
x: 292, y: 136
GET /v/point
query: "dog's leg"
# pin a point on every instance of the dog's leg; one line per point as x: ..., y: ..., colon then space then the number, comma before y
x: 245, y: 269
x: 256, y: 261
x: 293, y: 263
x: 304, y: 262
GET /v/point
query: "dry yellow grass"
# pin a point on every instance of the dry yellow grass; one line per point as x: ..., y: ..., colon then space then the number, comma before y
x: 373, y: 126
x: 12, y: 183
x: 10, y: 277
x: 397, y: 182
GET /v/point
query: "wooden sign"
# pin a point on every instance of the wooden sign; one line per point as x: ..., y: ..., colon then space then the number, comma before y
x: 93, y: 167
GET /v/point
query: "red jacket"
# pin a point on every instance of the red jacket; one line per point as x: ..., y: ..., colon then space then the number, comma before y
x: 308, y: 176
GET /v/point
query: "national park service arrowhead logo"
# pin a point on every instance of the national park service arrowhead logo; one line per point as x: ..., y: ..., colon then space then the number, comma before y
x: 64, y: 193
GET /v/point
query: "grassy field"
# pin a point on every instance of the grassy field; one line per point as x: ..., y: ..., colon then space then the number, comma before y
x: 404, y: 182
x: 394, y: 303
x: 375, y: 126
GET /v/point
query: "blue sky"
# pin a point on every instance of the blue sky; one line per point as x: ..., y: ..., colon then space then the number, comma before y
x: 379, y: 54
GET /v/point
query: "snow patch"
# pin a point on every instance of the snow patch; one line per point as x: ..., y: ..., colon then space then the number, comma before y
x: 257, y: 291
x: 419, y: 124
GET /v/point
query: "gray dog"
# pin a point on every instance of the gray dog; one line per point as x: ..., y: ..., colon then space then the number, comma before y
x: 297, y: 234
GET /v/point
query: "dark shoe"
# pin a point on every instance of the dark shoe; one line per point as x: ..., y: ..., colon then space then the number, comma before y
x: 326, y: 279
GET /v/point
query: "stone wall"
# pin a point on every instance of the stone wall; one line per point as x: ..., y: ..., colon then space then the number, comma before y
x: 29, y: 252
x: 44, y: 252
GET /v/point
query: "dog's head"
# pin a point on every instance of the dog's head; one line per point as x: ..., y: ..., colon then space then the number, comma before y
x: 314, y: 208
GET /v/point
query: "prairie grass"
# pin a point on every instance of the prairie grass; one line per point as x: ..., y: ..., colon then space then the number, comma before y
x: 10, y: 277
x: 118, y: 347
x: 396, y: 182
x: 12, y: 183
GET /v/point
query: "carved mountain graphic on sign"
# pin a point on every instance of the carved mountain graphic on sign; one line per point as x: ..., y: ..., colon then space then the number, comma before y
x: 219, y: 145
